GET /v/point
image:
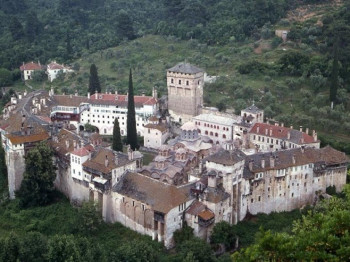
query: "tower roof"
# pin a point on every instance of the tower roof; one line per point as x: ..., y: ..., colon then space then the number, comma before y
x: 185, y: 68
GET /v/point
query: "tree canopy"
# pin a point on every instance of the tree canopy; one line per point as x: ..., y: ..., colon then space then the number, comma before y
x: 131, y: 118
x: 94, y: 81
x: 37, y: 186
x: 117, y: 144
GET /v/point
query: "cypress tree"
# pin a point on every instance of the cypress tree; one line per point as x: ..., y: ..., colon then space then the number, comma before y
x: 117, y: 141
x: 335, y: 72
x: 131, y: 121
x: 94, y: 81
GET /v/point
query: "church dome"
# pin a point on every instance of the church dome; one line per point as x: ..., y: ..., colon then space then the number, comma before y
x: 189, y: 126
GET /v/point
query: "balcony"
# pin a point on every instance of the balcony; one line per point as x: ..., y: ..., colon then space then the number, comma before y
x: 205, y: 223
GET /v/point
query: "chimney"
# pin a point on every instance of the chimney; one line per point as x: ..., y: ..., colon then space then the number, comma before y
x: 96, y: 95
x: 74, y: 144
x: 22, y: 131
x: 200, y: 167
x: 291, y: 127
x: 263, y: 163
x: 116, y: 92
x: 130, y: 153
x: 301, y: 129
x: 293, y: 159
x: 76, y: 93
x: 288, y: 135
x: 88, y: 96
x: 154, y: 93
x: 282, y: 124
x: 70, y: 95
x: 67, y: 144
x: 272, y: 161
x: 266, y: 131
x: 258, y: 129
x: 106, y: 161
x: 212, y: 179
x: 314, y: 134
x: 307, y: 131
x: 302, y: 149
x: 116, y: 160
x: 251, y: 162
x: 270, y: 132
x: 276, y: 124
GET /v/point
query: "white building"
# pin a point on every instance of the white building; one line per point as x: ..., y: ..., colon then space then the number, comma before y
x: 156, y: 133
x: 217, y: 127
x: 28, y: 69
x: 104, y: 108
x: 53, y: 69
x: 266, y: 137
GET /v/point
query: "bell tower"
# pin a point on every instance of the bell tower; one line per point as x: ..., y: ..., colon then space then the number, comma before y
x: 185, y: 91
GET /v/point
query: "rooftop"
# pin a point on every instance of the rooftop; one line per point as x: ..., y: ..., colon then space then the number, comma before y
x: 253, y: 109
x: 280, y: 132
x: 161, y: 197
x: 226, y: 157
x: 185, y: 68
x: 217, y: 119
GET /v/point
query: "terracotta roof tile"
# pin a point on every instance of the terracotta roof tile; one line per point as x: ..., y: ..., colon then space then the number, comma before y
x: 282, y: 133
x: 30, y: 66
x: 21, y: 139
x: 206, y: 215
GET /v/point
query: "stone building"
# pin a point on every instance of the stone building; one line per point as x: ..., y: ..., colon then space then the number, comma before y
x: 149, y: 206
x: 289, y: 179
x: 185, y: 91
x: 19, y: 134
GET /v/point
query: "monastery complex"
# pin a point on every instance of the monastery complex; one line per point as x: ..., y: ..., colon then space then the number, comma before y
x: 208, y: 166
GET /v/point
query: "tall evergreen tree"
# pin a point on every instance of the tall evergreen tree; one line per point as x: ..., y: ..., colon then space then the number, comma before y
x: 37, y: 185
x: 94, y: 81
x: 117, y: 141
x: 131, y: 122
x: 335, y: 73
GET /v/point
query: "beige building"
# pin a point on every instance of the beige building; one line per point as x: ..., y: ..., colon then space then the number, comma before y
x: 185, y: 91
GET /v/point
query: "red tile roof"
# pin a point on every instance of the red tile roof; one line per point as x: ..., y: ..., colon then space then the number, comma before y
x: 281, y: 133
x: 121, y: 99
x: 81, y: 152
x: 53, y: 66
x: 30, y: 66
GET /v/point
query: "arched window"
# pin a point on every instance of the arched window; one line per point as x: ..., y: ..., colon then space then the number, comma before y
x: 211, y: 133
x: 223, y: 136
x: 206, y: 132
x: 216, y: 134
x: 172, y: 81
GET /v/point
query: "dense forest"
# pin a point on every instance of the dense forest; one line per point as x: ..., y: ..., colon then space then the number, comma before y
x: 66, y: 29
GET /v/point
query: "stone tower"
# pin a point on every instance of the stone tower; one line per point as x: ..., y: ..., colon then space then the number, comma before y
x: 185, y: 91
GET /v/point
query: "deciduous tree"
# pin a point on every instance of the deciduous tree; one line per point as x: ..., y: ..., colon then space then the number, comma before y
x: 37, y: 186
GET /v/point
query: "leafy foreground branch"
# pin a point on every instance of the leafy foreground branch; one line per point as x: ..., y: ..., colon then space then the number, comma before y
x: 321, y: 235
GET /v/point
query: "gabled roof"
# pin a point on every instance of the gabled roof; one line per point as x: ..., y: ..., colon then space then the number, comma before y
x: 54, y: 66
x: 81, y: 152
x: 161, y: 197
x: 226, y: 157
x: 252, y: 109
x: 98, y: 161
x: 280, y: 132
x: 121, y: 100
x: 22, y: 139
x: 185, y: 68
x: 284, y: 159
x: 70, y: 100
x: 30, y: 66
